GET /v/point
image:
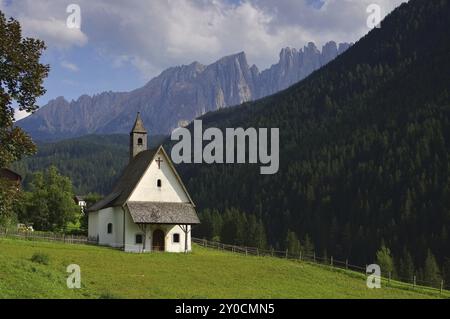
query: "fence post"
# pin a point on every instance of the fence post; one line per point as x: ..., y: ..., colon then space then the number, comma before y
x: 346, y: 264
x: 442, y: 286
x: 331, y: 260
x: 300, y: 256
x: 271, y: 252
x: 257, y: 252
x: 246, y: 251
x: 414, y: 283
x: 286, y: 253
x: 314, y: 257
x: 389, y: 280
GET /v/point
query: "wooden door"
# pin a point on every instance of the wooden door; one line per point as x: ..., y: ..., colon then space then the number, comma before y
x: 158, y: 240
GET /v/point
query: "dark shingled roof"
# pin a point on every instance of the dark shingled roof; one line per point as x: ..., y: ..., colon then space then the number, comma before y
x: 127, y: 181
x: 162, y: 213
x: 130, y: 178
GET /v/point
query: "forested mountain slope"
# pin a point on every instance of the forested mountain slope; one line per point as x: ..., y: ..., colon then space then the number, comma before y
x: 93, y: 162
x: 364, y: 150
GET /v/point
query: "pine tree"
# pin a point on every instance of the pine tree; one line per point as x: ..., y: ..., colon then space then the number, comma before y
x: 308, y: 246
x: 384, y: 260
x: 432, y: 273
x: 292, y: 243
x: 446, y: 271
x: 406, y: 266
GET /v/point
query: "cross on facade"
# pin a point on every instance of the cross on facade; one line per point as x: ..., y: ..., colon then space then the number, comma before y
x: 159, y: 161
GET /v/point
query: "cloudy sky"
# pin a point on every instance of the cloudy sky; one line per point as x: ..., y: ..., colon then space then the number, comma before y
x: 122, y: 44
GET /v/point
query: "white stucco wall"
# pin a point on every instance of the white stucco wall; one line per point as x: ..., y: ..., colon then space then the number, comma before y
x: 146, y: 191
x: 93, y: 225
x: 113, y: 215
x: 131, y: 230
x: 170, y: 190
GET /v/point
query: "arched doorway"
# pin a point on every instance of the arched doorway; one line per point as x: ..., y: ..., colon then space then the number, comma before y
x: 158, y: 240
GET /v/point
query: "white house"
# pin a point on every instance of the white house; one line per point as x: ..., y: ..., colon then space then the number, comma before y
x: 80, y: 201
x: 149, y: 208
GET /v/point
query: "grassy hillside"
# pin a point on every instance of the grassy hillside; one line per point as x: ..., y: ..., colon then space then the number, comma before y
x: 203, y: 274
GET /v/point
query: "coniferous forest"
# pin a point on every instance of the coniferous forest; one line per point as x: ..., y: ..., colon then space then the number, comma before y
x: 364, y: 156
x: 364, y: 150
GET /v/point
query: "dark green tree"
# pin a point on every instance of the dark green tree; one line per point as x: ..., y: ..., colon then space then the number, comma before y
x: 385, y: 260
x: 21, y: 77
x: 49, y: 206
x: 292, y: 243
x: 431, y: 272
x: 406, y: 266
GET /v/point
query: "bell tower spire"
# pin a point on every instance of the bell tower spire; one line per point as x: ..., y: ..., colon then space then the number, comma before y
x: 138, y: 137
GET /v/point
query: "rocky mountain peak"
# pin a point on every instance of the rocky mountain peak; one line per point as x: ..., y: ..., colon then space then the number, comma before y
x: 178, y: 94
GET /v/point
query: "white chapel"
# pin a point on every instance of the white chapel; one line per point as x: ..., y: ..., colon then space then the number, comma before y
x: 149, y: 208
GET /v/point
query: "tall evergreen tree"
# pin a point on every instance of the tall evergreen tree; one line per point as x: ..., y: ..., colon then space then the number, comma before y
x: 292, y: 243
x: 406, y: 266
x: 385, y: 260
x: 431, y: 273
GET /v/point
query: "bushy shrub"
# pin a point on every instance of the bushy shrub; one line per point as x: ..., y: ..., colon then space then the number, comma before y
x: 40, y: 258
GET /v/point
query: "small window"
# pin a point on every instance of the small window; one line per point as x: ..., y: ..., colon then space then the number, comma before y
x: 140, y: 142
x: 109, y: 228
x: 139, y: 239
x: 176, y: 238
x: 158, y: 183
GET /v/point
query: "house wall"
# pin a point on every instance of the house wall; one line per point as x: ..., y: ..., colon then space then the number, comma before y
x: 131, y: 230
x: 98, y: 226
x: 170, y: 190
x: 93, y: 225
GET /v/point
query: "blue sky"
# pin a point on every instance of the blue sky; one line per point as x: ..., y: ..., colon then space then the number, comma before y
x: 123, y: 44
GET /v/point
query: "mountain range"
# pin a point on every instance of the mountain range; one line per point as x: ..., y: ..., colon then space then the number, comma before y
x: 178, y: 95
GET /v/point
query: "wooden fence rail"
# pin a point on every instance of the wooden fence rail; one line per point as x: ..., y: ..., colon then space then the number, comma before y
x: 254, y: 251
x: 412, y: 283
x: 45, y: 236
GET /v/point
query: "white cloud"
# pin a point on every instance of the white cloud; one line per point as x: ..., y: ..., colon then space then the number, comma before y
x: 18, y: 115
x: 154, y: 35
x: 69, y: 66
x: 46, y: 20
x: 54, y: 32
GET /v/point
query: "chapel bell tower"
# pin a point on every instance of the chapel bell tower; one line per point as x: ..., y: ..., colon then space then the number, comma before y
x: 138, y: 137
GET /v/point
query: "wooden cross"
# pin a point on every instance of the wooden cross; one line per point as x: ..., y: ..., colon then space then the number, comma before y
x: 159, y: 161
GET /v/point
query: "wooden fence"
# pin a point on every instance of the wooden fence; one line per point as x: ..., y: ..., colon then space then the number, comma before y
x: 45, y: 236
x: 411, y: 283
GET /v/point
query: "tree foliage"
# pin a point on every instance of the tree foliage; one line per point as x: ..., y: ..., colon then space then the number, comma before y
x: 49, y: 205
x: 21, y: 77
x: 385, y: 260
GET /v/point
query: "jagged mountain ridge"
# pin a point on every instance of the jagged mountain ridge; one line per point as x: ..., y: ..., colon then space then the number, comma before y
x: 178, y: 94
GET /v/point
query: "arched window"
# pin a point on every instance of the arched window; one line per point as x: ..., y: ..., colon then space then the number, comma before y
x: 158, y: 183
x: 140, y: 141
x: 109, y: 228
x: 139, y: 239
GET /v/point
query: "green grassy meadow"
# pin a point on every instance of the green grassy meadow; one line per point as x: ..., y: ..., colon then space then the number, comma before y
x: 204, y: 273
